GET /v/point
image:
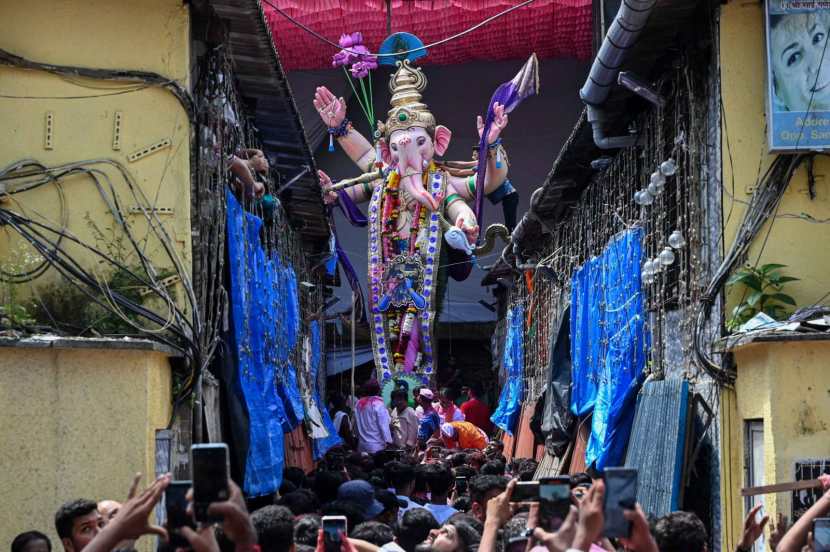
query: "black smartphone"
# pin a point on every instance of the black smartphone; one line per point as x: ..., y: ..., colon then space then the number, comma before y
x: 175, y: 503
x: 620, y: 495
x: 334, y: 528
x: 211, y: 473
x: 525, y: 491
x: 461, y: 485
x: 554, y: 501
x: 821, y: 535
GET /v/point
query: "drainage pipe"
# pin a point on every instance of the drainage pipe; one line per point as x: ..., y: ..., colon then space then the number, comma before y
x: 630, y: 20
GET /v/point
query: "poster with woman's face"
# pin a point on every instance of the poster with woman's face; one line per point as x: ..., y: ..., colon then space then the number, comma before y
x: 798, y: 74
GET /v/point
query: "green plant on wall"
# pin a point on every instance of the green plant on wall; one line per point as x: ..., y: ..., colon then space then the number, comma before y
x: 763, y: 292
x: 14, y: 313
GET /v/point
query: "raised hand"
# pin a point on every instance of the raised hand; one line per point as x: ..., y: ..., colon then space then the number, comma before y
x: 640, y: 539
x: 203, y: 540
x: 134, y: 486
x: 131, y: 522
x: 561, y: 540
x: 753, y: 529
x: 777, y: 530
x: 591, y: 516
x: 332, y: 109
x: 499, y: 123
x: 236, y: 523
x: 499, y: 508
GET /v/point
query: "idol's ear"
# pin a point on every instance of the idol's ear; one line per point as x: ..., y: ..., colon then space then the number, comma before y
x: 385, y: 152
x: 442, y: 139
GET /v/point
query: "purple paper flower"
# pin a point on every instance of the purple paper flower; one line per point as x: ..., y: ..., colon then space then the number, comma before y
x: 349, y: 40
x: 361, y: 68
x: 354, y: 55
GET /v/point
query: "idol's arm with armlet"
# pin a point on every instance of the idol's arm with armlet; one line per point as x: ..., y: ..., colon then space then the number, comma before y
x: 465, y: 186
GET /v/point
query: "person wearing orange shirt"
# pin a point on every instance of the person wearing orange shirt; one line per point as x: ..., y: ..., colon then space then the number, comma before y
x: 463, y: 435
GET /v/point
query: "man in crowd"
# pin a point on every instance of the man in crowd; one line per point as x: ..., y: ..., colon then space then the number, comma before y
x: 404, y: 421
x: 429, y: 422
x: 77, y: 522
x: 482, y: 489
x: 439, y: 480
x: 401, y: 477
x: 475, y: 410
x: 373, y: 420
x: 447, y: 410
x: 463, y: 435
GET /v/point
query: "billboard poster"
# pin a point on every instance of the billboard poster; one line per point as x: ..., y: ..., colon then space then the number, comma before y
x: 798, y: 74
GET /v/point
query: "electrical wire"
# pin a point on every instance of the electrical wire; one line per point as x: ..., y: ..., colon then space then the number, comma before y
x: 764, y: 202
x: 467, y: 31
x: 140, y: 78
x: 83, y: 97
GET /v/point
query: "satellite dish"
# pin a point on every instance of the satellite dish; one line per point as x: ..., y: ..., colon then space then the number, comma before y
x: 401, y: 42
x: 407, y: 382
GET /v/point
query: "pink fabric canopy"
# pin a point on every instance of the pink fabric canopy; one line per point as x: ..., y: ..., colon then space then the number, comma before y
x: 551, y: 28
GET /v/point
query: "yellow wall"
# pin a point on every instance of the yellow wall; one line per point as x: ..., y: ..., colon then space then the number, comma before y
x: 75, y: 423
x: 792, y: 242
x: 147, y: 35
x: 785, y: 384
x: 782, y: 382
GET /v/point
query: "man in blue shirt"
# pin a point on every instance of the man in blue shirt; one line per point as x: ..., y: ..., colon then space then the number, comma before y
x: 429, y: 422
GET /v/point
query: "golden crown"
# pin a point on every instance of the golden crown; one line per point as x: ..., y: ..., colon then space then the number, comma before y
x: 407, y: 110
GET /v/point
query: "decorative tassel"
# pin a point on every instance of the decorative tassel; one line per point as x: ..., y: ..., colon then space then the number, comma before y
x: 498, y: 158
x: 378, y: 156
x: 331, y: 142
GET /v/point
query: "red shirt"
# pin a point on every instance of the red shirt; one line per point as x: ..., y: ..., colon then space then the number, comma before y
x: 476, y: 412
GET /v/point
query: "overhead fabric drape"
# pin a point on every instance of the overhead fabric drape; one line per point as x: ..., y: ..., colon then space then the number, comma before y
x: 608, y: 345
x: 258, y: 300
x: 551, y: 28
x: 320, y: 446
x: 510, y: 402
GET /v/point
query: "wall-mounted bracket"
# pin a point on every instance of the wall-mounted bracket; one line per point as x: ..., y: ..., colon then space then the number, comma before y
x: 149, y: 150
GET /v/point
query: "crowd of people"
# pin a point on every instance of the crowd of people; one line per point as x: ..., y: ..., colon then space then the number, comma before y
x: 369, y: 426
x: 414, y: 481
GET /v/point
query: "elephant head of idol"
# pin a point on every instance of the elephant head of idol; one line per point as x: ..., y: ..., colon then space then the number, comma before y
x: 410, y: 138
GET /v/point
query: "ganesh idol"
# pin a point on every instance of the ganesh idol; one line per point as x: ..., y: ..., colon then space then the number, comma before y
x: 417, y: 208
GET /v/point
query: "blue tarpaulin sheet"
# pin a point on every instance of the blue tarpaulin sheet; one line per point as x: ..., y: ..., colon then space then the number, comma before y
x: 320, y: 446
x: 510, y: 402
x: 265, y: 322
x: 608, y: 345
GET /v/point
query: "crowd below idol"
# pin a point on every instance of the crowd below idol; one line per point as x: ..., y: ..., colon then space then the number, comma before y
x: 405, y: 479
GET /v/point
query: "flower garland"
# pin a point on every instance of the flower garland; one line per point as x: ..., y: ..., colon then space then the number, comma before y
x: 402, y: 331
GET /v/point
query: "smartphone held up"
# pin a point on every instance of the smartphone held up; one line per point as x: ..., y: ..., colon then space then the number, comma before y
x: 335, y: 529
x: 175, y: 503
x: 821, y: 535
x: 210, y: 467
x: 620, y: 495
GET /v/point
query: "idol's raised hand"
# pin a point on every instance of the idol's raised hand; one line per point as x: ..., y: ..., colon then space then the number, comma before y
x: 499, y: 123
x: 331, y: 108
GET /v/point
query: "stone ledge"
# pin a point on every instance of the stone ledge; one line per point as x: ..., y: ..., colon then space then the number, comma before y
x: 732, y: 342
x: 62, y: 342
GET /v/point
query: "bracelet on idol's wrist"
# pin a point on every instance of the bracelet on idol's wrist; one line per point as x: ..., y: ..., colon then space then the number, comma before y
x: 342, y: 129
x: 495, y: 144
